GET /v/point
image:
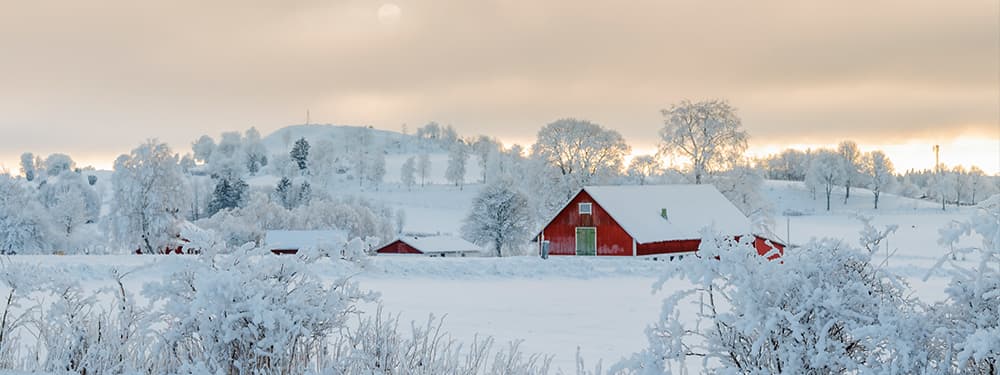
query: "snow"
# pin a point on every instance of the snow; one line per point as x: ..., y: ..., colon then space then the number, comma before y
x: 441, y: 244
x: 601, y: 305
x: 689, y: 209
x: 298, y: 239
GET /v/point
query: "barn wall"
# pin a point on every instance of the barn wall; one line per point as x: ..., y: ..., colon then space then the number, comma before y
x: 561, y: 231
x: 666, y: 247
x: 398, y: 247
x: 762, y: 247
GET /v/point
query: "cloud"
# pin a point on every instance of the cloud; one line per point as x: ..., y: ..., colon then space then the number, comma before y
x: 109, y: 73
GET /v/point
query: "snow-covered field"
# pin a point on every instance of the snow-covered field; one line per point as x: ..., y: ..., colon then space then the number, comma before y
x: 599, y: 305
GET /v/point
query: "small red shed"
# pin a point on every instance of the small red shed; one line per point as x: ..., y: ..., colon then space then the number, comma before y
x: 644, y: 220
x: 441, y: 246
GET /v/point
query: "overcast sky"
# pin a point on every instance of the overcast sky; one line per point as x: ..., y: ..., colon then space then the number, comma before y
x: 95, y: 78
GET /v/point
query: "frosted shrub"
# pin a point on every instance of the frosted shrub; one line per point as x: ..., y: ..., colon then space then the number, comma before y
x: 250, y: 312
x: 969, y: 322
x: 379, y: 346
x: 822, y: 308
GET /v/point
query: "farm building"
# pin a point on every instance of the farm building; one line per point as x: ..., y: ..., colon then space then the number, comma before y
x: 643, y: 220
x: 433, y: 246
x: 291, y: 241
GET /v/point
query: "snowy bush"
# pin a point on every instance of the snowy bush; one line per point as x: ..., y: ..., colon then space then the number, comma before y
x: 969, y: 322
x: 822, y: 309
x: 250, y: 312
x: 378, y: 345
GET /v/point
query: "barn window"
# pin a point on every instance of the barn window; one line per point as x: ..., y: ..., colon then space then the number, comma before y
x: 585, y: 209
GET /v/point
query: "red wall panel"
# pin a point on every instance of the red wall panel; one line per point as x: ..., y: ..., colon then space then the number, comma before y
x: 398, y: 247
x: 561, y: 231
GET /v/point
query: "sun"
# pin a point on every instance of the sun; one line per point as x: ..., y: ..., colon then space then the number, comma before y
x: 389, y: 13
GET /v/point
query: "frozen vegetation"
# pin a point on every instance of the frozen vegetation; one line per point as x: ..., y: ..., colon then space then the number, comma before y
x: 889, y: 272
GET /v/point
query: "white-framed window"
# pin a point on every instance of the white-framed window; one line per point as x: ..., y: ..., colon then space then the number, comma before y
x: 586, y: 209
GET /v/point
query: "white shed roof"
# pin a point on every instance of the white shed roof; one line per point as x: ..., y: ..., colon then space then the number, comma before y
x: 441, y: 244
x: 689, y: 208
x: 297, y: 239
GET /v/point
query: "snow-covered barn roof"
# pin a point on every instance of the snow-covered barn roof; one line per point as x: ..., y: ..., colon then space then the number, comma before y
x: 440, y: 244
x: 297, y: 239
x: 689, y: 208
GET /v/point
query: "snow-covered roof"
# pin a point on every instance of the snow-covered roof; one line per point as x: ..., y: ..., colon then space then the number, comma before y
x: 440, y: 244
x: 689, y: 208
x: 297, y: 239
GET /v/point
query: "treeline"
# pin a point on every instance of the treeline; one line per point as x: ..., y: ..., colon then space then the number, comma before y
x: 846, y: 167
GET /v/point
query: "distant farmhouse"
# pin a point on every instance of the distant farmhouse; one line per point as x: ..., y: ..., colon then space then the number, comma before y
x: 644, y: 220
x: 291, y: 241
x: 435, y: 246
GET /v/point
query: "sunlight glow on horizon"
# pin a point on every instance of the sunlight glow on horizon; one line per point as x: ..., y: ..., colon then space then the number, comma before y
x: 914, y: 154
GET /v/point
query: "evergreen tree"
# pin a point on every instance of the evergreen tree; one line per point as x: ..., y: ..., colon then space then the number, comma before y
x: 300, y: 152
x: 229, y: 193
x: 283, y: 193
x: 305, y: 193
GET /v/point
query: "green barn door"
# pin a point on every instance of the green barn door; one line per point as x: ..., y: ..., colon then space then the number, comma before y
x: 586, y: 241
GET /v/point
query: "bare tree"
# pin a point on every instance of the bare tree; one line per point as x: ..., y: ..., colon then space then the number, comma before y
x: 850, y: 159
x: 878, y: 170
x: 643, y: 167
x: 581, y: 151
x: 708, y: 134
x: 825, y: 172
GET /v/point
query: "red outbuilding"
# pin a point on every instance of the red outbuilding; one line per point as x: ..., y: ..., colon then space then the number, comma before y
x: 644, y: 220
x: 435, y: 246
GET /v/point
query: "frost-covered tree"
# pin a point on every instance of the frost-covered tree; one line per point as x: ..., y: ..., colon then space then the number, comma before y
x: 790, y: 164
x: 487, y: 150
x: 851, y: 164
x: 825, y: 172
x: 300, y: 153
x: 500, y: 218
x: 283, y: 193
x: 28, y: 168
x: 150, y: 196
x: 407, y: 173
x: 203, y: 148
x: 230, y: 192
x: 305, y: 193
x: 228, y: 160
x: 978, y: 184
x: 56, y: 164
x: 458, y: 157
x: 376, y: 166
x: 423, y: 167
x: 959, y: 184
x: 254, y: 151
x: 642, y: 167
x: 708, y: 134
x: 430, y: 131
x: 583, y: 152
x: 24, y: 225
x: 878, y: 172
x: 71, y: 203
x: 941, y: 185
x: 325, y: 161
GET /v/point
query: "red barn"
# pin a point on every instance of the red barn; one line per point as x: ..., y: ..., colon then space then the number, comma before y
x: 432, y: 245
x: 643, y: 220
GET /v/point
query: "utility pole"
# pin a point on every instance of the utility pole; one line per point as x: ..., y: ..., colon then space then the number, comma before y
x: 307, y: 118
